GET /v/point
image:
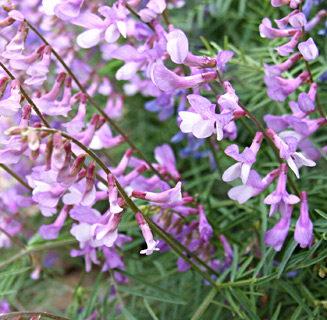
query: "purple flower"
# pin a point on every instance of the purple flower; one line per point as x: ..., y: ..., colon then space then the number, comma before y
x: 287, y: 148
x: 279, y: 88
x: 177, y: 46
x: 4, y: 306
x: 200, y: 118
x: 304, y: 226
x: 15, y: 47
x: 306, y: 100
x: 222, y: 58
x: 167, y: 80
x: 254, y: 186
x: 63, y: 9
x: 168, y: 196
x: 245, y: 160
x: 267, y: 31
x: 315, y: 20
x: 287, y: 48
x: 298, y: 20
x: 204, y: 226
x: 309, y: 50
x: 277, y: 70
x: 147, y: 234
x: 282, y: 23
x: 280, y: 199
x: 165, y: 157
x: 38, y: 71
x: 276, y: 236
x: 51, y: 231
x: 10, y: 105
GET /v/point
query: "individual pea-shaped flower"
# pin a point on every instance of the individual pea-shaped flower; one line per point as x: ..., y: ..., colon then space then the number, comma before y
x: 245, y: 160
x: 200, y: 118
x: 147, y: 234
x: 267, y: 31
x: 280, y: 198
x: 304, y: 226
x: 309, y: 50
x: 204, y: 226
x: 298, y: 20
x: 169, y: 196
x: 89, y: 193
x: 51, y: 231
x: 254, y: 186
x: 287, y: 48
x: 287, y: 147
x: 167, y: 80
x: 276, y: 236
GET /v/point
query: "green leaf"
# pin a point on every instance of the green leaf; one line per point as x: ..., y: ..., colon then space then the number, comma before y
x: 234, y: 263
x: 276, y: 313
x: 148, y: 284
x: 151, y: 296
x: 147, y: 306
x: 244, y: 266
x: 288, y: 252
x: 235, y: 307
x: 245, y: 303
x: 290, y: 290
x: 269, y: 252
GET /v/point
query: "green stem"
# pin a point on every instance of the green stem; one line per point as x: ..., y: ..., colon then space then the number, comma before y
x: 13, y: 239
x: 15, y: 176
x: 20, y: 314
x: 28, y: 251
x: 204, y: 305
x: 137, y: 15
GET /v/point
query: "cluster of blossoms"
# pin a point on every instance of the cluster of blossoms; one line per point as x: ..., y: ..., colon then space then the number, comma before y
x: 51, y: 136
x: 44, y: 139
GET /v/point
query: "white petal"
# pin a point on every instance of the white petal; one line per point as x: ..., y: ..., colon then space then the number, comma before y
x: 89, y: 38
x: 112, y: 34
x: 245, y: 172
x: 232, y: 172
x: 121, y: 25
x: 203, y: 128
x: 127, y: 71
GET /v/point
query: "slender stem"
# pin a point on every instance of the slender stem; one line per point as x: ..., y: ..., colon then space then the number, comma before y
x: 19, y: 314
x: 15, y: 176
x: 214, y: 155
x: 13, y: 239
x: 137, y: 15
x: 30, y: 101
x: 28, y: 251
x: 205, y: 303
x: 97, y: 106
x: 173, y: 243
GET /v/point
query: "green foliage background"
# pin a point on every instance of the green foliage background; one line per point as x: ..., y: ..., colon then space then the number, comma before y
x: 260, y: 284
